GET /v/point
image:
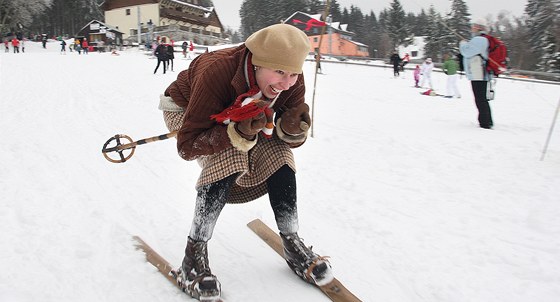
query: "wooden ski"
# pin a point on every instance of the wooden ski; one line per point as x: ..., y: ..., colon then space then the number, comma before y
x: 334, y: 290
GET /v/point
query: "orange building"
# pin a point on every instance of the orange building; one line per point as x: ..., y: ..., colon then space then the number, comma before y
x: 337, y: 40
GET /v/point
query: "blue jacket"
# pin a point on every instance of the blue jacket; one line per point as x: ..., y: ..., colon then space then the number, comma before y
x: 472, y: 60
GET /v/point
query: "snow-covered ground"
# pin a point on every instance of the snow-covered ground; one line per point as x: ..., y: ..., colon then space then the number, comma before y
x: 410, y: 198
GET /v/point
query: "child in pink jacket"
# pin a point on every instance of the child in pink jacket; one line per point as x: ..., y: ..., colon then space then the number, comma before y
x: 416, y: 76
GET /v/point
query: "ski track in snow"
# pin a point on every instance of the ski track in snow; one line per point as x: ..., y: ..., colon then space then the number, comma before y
x: 409, y: 197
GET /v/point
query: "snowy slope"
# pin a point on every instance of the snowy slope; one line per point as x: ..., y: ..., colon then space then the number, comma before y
x: 409, y: 197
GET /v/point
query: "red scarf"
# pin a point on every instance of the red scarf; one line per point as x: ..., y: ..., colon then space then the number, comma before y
x: 248, y: 104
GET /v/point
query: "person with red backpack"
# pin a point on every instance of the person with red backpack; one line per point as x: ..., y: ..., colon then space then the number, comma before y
x: 475, y: 54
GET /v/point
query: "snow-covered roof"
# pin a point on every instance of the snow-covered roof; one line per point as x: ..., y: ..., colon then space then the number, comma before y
x: 357, y: 43
x: 316, y: 16
x: 112, y: 28
x: 208, y: 9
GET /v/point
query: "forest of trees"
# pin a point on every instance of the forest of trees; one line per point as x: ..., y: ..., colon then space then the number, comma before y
x: 53, y: 17
x: 533, y: 39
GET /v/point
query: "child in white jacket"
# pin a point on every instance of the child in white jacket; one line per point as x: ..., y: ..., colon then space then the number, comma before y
x: 426, y: 73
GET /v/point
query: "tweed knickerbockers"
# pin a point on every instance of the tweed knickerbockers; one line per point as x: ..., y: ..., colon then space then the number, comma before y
x: 253, y: 167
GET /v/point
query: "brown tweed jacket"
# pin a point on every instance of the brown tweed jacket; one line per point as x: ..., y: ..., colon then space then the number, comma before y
x: 211, y: 84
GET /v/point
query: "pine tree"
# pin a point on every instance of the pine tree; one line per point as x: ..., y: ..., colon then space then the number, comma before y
x: 288, y: 7
x: 396, y: 26
x: 356, y: 23
x: 335, y: 11
x: 384, y: 18
x: 373, y: 33
x: 543, y: 26
x: 549, y: 61
x: 410, y: 21
x: 315, y: 6
x: 344, y: 17
x: 458, y: 20
x: 422, y: 22
x: 531, y: 10
x: 456, y: 27
x: 435, y: 35
x: 251, y: 17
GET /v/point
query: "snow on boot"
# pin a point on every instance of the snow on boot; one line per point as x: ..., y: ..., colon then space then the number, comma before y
x: 194, y: 276
x: 304, y: 262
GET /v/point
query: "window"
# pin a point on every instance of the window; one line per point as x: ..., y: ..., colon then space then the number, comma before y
x: 414, y: 53
x: 128, y: 11
x: 315, y: 39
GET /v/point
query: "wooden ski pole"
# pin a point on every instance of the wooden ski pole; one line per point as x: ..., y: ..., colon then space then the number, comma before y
x: 131, y: 145
x: 317, y: 59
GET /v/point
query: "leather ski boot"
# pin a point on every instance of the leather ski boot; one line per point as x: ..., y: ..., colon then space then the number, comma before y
x: 304, y: 262
x: 194, y: 276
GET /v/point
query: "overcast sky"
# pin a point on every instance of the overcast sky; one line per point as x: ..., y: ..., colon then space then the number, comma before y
x: 228, y: 10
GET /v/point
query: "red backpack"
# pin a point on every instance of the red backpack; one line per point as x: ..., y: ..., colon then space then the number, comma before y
x: 497, y: 55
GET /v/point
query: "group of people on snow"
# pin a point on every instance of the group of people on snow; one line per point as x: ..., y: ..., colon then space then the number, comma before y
x: 423, y: 75
x: 398, y: 62
x: 474, y: 54
x: 76, y: 45
x: 188, y: 49
x: 164, y: 53
x: 17, y: 44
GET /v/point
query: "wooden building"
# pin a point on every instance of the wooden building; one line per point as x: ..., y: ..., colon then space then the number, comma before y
x: 177, y: 19
x: 100, y: 35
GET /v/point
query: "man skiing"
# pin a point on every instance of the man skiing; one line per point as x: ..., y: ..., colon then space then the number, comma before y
x: 228, y: 98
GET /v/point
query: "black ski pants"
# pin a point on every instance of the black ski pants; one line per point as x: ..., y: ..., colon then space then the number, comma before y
x: 484, y: 113
x: 164, y: 65
x: 211, y: 199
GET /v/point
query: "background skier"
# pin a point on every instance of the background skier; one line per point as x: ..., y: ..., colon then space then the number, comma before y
x: 426, y: 73
x: 474, y: 53
x: 450, y: 67
x: 161, y: 54
x: 396, y: 61
x: 170, y: 55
